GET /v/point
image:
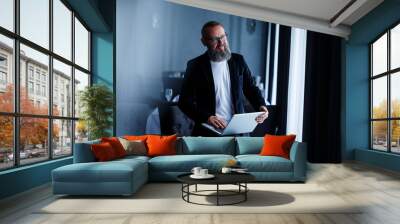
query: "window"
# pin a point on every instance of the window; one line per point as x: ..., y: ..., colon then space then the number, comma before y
x: 3, y: 78
x: 7, y: 14
x: 30, y: 72
x: 37, y: 75
x: 35, y: 21
x: 62, y: 29
x: 81, y: 45
x: 385, y: 94
x: 44, y: 131
x: 3, y: 61
x: 37, y: 89
x: 6, y: 73
x: 44, y: 91
x: 62, y: 74
x: 30, y: 87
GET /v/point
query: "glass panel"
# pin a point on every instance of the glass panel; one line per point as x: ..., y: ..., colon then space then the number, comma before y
x: 35, y: 21
x: 6, y: 74
x: 379, y: 135
x: 81, y: 131
x: 395, y: 47
x: 379, y: 55
x: 7, y: 14
x: 33, y: 139
x: 81, y: 81
x: 62, y: 138
x: 395, y: 136
x: 34, y: 81
x: 62, y: 29
x: 395, y: 95
x: 6, y: 142
x: 81, y: 45
x: 62, y: 89
x: 379, y: 98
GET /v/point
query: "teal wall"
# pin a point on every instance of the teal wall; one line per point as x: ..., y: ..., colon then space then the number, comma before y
x: 102, y: 58
x: 24, y: 178
x: 102, y: 61
x: 356, y: 84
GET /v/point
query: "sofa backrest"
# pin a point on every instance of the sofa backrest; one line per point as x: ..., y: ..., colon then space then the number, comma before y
x: 208, y: 145
x: 249, y: 145
x: 83, y: 152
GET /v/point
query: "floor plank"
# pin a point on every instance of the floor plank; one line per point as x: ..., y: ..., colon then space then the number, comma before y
x: 376, y: 189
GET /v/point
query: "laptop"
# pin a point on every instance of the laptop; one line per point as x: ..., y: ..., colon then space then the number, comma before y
x: 239, y: 124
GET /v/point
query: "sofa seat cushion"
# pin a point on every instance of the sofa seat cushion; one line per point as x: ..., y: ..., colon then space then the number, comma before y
x: 257, y: 163
x: 184, y: 163
x: 111, y: 171
x: 133, y: 158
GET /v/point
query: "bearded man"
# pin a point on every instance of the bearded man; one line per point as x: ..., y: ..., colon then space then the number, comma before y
x: 216, y: 84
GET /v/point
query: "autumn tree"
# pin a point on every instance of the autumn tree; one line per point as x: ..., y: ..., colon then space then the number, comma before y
x: 380, y: 127
x: 33, y: 131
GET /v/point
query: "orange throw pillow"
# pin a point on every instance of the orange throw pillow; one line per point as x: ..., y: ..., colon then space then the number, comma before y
x: 277, y: 145
x: 161, y: 145
x: 116, y: 145
x: 103, y: 152
x: 136, y: 137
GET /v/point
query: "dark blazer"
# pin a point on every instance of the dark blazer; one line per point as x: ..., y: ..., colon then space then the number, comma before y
x: 197, y: 98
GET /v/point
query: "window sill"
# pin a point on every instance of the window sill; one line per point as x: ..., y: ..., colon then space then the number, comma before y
x: 25, y: 167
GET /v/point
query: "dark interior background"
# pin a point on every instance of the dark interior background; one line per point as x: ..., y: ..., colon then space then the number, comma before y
x: 155, y: 39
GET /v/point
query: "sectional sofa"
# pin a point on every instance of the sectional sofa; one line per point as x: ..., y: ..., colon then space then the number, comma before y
x: 125, y: 176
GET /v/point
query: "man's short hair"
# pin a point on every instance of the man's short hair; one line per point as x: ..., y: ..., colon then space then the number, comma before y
x: 209, y: 24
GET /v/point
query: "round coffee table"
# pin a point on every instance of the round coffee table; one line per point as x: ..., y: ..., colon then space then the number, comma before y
x: 238, y: 179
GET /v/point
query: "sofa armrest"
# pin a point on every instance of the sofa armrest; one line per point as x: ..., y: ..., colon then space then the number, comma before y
x: 298, y: 155
x: 83, y: 152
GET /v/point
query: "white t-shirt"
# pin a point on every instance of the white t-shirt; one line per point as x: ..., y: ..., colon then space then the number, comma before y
x: 222, y: 83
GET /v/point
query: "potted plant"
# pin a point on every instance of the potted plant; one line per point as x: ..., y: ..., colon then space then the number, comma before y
x: 96, y: 102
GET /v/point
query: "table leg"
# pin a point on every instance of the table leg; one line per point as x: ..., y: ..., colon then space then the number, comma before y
x: 196, y: 188
x: 217, y: 194
x: 245, y: 193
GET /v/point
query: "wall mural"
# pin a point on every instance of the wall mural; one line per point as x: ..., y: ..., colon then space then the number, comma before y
x: 155, y: 40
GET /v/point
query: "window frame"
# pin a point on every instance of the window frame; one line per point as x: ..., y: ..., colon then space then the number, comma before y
x: 16, y: 114
x: 388, y: 74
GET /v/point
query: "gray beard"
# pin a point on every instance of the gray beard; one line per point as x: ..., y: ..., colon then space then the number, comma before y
x: 218, y: 56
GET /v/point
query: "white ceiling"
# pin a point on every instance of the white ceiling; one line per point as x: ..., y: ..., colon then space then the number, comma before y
x: 320, y: 9
x: 315, y: 15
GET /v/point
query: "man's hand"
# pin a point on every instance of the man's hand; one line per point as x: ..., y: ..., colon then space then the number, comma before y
x: 217, y: 122
x: 262, y: 117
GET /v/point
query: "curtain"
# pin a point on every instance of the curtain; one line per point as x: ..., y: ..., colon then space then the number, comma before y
x: 282, y: 78
x: 296, y: 83
x: 321, y: 123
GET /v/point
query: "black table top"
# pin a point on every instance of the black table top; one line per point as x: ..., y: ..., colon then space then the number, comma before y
x: 220, y: 178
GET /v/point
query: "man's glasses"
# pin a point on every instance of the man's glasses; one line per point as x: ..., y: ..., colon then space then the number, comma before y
x: 215, y: 40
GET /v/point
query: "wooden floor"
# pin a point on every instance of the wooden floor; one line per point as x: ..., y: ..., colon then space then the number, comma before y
x: 354, y: 182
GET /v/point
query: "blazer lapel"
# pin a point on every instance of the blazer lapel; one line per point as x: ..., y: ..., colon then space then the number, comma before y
x: 207, y: 71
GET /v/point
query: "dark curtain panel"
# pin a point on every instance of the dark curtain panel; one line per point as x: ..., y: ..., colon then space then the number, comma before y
x: 276, y: 122
x: 321, y: 123
x: 283, y: 79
